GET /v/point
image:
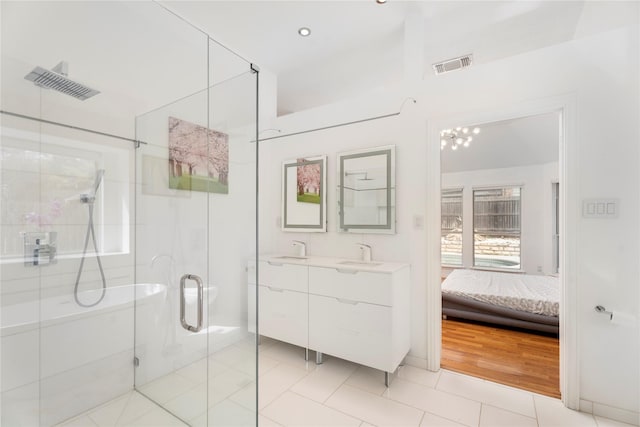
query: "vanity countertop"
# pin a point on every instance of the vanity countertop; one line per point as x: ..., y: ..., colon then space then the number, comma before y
x: 374, y: 266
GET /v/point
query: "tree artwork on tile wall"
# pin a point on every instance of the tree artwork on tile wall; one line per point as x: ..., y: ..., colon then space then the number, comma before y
x: 308, y: 182
x: 198, y: 158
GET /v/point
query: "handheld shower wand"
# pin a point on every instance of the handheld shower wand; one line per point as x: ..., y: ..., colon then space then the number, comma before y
x: 99, y: 176
x: 89, y: 200
x: 91, y: 197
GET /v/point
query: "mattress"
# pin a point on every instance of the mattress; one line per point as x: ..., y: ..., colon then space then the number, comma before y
x: 522, y: 292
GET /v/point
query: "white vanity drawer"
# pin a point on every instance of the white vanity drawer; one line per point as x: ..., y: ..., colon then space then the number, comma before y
x: 358, y: 332
x: 283, y: 276
x: 375, y: 288
x: 283, y: 315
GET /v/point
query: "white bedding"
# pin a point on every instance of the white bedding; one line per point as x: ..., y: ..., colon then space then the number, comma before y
x: 533, y: 294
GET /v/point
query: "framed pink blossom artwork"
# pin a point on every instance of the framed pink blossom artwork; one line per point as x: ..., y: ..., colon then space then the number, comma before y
x: 198, y: 158
x: 304, y: 200
x: 308, y: 181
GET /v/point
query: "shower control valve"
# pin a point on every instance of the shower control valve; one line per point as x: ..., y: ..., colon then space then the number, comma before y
x: 40, y: 248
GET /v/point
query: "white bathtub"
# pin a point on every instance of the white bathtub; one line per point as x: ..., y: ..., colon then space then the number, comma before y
x: 30, y: 315
x: 59, y: 359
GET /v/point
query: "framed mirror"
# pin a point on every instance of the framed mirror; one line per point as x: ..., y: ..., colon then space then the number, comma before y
x: 304, y: 204
x: 366, y: 190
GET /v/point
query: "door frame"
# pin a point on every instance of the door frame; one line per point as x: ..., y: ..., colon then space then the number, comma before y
x: 569, y: 213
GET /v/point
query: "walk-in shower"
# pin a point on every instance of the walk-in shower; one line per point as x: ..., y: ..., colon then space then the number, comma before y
x: 135, y: 306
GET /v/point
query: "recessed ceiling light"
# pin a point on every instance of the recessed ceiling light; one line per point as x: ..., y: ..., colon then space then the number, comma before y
x: 381, y: 1
x: 304, y: 31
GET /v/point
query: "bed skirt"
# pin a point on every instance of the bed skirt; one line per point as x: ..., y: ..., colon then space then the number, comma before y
x: 470, y: 309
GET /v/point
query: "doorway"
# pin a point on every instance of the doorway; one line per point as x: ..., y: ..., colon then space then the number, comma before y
x: 563, y: 108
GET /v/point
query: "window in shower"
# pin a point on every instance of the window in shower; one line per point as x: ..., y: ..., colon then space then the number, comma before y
x: 44, y: 180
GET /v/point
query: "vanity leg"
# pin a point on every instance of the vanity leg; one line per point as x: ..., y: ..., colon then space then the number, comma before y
x: 386, y: 379
x: 318, y: 358
x: 306, y: 354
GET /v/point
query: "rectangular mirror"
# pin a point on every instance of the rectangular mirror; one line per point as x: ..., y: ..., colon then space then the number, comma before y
x: 304, y: 205
x: 366, y: 190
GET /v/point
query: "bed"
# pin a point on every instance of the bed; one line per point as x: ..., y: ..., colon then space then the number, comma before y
x: 510, y: 299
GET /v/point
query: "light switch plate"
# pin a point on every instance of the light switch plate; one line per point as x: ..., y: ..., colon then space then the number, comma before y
x: 600, y: 208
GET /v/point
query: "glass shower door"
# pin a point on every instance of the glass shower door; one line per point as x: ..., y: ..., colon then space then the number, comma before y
x: 172, y: 277
x: 195, y: 235
x: 232, y: 242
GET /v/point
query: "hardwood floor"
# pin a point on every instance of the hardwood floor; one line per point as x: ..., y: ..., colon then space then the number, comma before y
x: 519, y: 359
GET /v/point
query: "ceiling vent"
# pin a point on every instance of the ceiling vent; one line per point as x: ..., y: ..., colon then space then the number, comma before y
x: 453, y: 64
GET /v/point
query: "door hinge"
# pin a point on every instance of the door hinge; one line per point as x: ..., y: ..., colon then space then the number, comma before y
x: 136, y: 362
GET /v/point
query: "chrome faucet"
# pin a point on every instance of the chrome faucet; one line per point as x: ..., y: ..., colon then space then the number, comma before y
x: 366, y: 252
x: 302, y: 247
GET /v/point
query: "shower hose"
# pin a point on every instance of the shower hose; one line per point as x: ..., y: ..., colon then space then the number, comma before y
x: 90, y: 231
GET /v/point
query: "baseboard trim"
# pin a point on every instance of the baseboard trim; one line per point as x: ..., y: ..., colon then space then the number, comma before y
x: 416, y: 362
x: 618, y: 414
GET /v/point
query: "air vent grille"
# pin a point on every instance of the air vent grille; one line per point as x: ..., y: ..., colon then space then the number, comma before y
x: 453, y: 64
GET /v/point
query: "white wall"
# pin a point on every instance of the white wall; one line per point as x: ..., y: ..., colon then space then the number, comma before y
x: 600, y: 73
x: 403, y: 246
x: 536, y: 215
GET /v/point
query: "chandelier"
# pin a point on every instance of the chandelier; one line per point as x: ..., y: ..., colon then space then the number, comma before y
x: 460, y: 136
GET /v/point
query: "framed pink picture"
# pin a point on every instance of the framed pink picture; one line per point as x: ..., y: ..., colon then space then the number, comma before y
x: 198, y: 158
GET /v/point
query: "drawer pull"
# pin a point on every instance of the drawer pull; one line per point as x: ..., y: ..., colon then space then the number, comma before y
x: 339, y: 270
x: 275, y: 289
x: 277, y: 264
x: 347, y: 301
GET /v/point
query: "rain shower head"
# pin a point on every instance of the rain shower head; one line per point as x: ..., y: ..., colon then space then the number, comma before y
x: 57, y: 79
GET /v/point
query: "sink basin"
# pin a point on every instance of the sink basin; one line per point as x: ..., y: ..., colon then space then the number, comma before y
x: 290, y: 257
x: 361, y: 263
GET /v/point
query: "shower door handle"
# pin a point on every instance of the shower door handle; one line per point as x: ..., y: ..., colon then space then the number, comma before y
x: 183, y: 321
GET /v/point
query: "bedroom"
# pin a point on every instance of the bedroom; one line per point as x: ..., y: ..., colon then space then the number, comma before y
x: 500, y: 242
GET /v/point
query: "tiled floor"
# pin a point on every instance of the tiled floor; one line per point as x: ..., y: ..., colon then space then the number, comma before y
x: 337, y: 393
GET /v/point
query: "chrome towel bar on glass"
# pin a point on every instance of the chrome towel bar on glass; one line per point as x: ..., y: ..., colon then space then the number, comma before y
x: 183, y: 321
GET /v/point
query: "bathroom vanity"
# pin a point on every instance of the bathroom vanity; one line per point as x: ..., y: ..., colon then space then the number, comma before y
x: 355, y: 310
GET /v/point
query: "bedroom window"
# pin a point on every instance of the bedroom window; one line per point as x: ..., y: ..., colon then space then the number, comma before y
x: 451, y: 227
x: 496, y: 227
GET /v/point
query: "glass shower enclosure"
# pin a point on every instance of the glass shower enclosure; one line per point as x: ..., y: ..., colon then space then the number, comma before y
x: 127, y: 220
x: 195, y: 226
